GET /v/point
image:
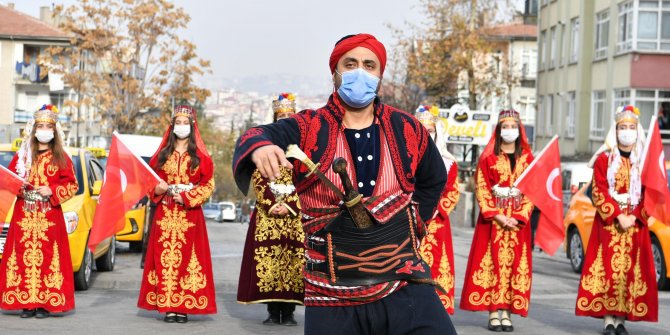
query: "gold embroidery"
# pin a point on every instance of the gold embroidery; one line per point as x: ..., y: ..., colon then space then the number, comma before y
x: 195, y: 279
x: 622, y: 177
x: 173, y: 227
x: 279, y: 268
x: 485, y: 277
x: 502, y: 169
x: 13, y: 278
x: 270, y: 226
x: 483, y: 194
x: 151, y: 278
x: 34, y: 227
x: 200, y: 194
x: 595, y: 282
x: 65, y: 192
x: 445, y: 279
x: 605, y: 209
x: 176, y: 168
x: 521, y: 281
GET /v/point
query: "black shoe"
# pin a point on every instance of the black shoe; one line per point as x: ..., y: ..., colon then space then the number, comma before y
x: 27, y: 313
x: 495, y: 328
x: 170, y: 317
x: 271, y: 320
x: 609, y: 330
x: 41, y: 313
x: 182, y: 318
x: 289, y: 320
x: 621, y: 330
x: 507, y: 328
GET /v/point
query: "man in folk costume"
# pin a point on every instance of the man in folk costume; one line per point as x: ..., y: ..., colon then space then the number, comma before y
x: 36, y: 266
x: 363, y: 219
x: 437, y: 246
x: 274, y: 253
x: 618, y: 280
x: 177, y: 277
x: 498, y: 276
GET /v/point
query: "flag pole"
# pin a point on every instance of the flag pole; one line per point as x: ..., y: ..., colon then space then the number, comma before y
x: 647, y: 142
x: 138, y: 157
x: 516, y: 182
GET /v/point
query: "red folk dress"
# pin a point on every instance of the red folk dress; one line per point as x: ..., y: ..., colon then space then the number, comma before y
x: 36, y: 269
x: 178, y: 269
x: 274, y: 253
x: 437, y: 246
x: 618, y: 277
x: 499, y: 271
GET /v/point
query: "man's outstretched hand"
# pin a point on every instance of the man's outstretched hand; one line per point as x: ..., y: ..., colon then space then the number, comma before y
x: 269, y: 159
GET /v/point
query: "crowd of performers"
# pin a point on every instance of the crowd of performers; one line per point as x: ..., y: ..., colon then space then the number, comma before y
x: 351, y: 218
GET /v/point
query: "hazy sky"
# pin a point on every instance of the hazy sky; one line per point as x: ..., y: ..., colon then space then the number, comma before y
x: 253, y: 37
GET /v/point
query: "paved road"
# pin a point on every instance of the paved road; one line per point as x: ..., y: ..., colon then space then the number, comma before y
x: 109, y: 306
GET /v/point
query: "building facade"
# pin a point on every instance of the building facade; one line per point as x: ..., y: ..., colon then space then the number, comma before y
x: 595, y: 56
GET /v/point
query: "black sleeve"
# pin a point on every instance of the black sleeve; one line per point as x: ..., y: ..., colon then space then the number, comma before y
x: 281, y: 133
x: 431, y: 176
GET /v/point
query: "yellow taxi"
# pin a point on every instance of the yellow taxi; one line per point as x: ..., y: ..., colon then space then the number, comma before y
x: 579, y: 221
x: 135, y: 230
x: 78, y: 213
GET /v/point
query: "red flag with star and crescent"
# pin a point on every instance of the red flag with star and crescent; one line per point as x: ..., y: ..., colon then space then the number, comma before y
x: 541, y: 183
x: 654, y: 177
x: 127, y: 180
x: 10, y: 185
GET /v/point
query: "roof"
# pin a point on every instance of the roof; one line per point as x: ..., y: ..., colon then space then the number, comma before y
x: 22, y: 26
x: 514, y: 31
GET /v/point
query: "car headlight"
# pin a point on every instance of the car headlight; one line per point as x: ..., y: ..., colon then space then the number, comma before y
x: 71, y: 221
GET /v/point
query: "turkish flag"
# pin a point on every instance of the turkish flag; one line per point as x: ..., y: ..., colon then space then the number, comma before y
x: 541, y: 183
x: 127, y: 180
x: 10, y: 185
x: 654, y: 177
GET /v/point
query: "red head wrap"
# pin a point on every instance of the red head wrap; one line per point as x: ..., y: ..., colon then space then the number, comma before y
x: 360, y: 40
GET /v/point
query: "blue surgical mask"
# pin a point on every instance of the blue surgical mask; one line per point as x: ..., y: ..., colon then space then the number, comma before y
x: 358, y: 88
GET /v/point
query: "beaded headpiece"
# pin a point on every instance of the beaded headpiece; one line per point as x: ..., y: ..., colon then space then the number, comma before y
x: 285, y: 103
x: 628, y: 113
x: 508, y: 115
x: 46, y: 113
x: 184, y: 110
x: 426, y: 114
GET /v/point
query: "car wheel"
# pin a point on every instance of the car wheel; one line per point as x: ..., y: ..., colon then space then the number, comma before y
x: 575, y: 250
x: 106, y: 262
x: 82, y: 278
x: 659, y: 264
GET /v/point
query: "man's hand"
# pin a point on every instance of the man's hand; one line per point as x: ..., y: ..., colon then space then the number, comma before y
x: 268, y: 160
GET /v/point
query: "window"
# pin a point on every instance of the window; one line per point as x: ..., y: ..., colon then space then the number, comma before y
x: 571, y: 105
x: 621, y: 98
x: 574, y: 40
x: 528, y: 63
x: 651, y: 101
x: 563, y: 41
x: 597, y: 131
x: 543, y: 49
x: 553, y: 49
x: 650, y: 34
x: 602, y: 34
x: 540, y: 108
x: 549, y: 115
x: 625, y: 36
x: 526, y: 108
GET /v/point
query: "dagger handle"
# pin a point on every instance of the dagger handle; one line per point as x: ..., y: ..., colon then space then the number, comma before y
x: 352, y: 199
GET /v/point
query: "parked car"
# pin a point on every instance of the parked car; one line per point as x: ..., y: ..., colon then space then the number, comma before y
x: 78, y: 213
x: 574, y: 176
x: 229, y: 211
x: 213, y: 211
x: 138, y: 219
x: 579, y: 221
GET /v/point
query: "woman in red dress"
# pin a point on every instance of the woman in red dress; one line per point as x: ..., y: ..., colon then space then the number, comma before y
x: 618, y: 280
x: 499, y: 273
x: 177, y: 277
x: 274, y: 253
x: 36, y: 266
x: 437, y: 246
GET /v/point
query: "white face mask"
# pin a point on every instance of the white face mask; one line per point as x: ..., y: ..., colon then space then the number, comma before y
x: 509, y: 135
x: 627, y: 137
x: 44, y: 136
x: 182, y: 131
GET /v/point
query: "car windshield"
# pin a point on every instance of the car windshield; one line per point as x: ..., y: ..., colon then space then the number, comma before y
x: 210, y: 206
x: 6, y: 157
x: 77, y: 172
x: 227, y: 206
